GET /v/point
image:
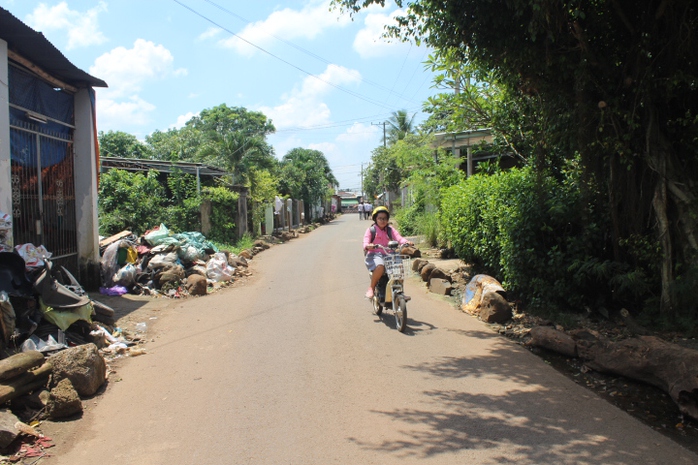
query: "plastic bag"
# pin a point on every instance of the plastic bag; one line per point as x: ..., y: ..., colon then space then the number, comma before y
x: 217, y: 268
x: 126, y: 276
x: 162, y: 260
x: 157, y: 236
x: 33, y: 256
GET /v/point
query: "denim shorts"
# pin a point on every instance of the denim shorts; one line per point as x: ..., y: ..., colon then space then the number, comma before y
x: 373, y: 260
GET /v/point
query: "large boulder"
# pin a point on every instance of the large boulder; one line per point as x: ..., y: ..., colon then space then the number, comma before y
x: 83, y: 366
x: 495, y: 308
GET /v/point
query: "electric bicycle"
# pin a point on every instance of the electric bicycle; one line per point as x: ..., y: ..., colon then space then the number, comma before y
x: 389, y: 292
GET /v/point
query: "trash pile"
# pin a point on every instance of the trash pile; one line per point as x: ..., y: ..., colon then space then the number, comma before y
x: 163, y: 263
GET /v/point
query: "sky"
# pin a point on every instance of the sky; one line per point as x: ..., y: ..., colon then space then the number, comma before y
x: 326, y: 80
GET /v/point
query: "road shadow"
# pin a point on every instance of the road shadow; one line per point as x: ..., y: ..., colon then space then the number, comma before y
x: 123, y: 305
x: 534, y: 423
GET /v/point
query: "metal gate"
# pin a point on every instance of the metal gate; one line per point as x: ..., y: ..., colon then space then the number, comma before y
x: 43, y: 189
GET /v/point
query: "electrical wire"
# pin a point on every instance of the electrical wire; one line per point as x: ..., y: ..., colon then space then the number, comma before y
x: 314, y: 55
x: 340, y: 88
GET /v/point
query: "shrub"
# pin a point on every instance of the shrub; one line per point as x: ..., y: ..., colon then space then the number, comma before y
x: 526, y: 229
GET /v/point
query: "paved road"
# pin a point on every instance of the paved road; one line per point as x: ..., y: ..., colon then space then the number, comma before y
x: 293, y: 368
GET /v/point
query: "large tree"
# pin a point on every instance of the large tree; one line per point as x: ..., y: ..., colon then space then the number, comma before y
x: 123, y: 145
x: 615, y: 81
x: 306, y: 175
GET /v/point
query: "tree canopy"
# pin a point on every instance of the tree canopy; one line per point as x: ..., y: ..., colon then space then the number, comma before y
x: 613, y: 82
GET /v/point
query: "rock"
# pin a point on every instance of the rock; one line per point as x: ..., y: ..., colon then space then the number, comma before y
x: 196, y: 285
x: 238, y: 262
x: 495, y: 308
x: 440, y: 286
x: 260, y: 243
x: 246, y: 254
x: 63, y: 401
x: 426, y: 270
x: 413, y: 252
x: 83, y: 366
x: 418, y: 263
x: 438, y: 273
x: 8, y: 432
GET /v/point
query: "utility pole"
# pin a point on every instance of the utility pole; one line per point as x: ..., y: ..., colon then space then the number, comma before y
x: 362, y: 180
x: 381, y: 124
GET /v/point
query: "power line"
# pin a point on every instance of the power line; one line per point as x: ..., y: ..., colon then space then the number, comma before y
x: 342, y: 89
x: 316, y: 56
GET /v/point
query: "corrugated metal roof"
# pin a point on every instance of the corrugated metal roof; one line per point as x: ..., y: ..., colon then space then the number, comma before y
x: 33, y: 46
x: 138, y: 164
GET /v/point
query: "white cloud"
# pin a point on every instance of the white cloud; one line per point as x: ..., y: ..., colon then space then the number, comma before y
x: 287, y: 24
x: 82, y: 27
x: 126, y: 70
x: 359, y: 133
x: 303, y: 106
x: 210, y: 33
x: 369, y: 42
x: 182, y: 120
x: 112, y: 114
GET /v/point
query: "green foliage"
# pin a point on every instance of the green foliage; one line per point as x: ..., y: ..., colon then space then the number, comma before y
x: 399, y: 125
x: 614, y: 82
x: 129, y: 201
x: 223, y: 211
x: 123, y: 145
x: 263, y: 192
x: 527, y: 230
x: 306, y: 175
x: 183, y: 204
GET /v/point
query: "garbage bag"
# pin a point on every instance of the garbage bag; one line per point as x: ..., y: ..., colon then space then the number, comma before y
x: 217, y: 268
x: 163, y: 260
x: 158, y: 235
x: 109, y: 264
x: 126, y: 276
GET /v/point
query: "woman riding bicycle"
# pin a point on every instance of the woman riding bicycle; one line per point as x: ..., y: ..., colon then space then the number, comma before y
x: 379, y: 233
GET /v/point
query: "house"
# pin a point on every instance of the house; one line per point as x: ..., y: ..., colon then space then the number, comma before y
x: 49, y: 154
x: 473, y: 147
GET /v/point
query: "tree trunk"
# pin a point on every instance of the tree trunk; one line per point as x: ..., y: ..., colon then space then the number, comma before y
x: 649, y: 359
x: 20, y: 363
x: 25, y: 383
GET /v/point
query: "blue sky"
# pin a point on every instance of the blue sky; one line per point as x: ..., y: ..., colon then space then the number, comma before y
x: 325, y: 80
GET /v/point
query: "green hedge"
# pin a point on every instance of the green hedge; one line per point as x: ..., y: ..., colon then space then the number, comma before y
x: 526, y: 230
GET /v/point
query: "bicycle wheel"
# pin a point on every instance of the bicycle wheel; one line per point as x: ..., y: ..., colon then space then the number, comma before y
x: 400, y: 311
x: 377, y: 308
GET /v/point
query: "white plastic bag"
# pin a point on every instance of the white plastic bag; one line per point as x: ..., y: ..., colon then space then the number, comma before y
x: 217, y: 268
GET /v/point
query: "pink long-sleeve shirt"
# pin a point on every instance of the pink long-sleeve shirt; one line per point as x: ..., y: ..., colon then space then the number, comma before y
x: 382, y: 238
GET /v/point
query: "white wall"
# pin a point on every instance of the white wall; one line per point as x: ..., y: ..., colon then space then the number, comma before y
x: 85, y: 180
x: 5, y: 167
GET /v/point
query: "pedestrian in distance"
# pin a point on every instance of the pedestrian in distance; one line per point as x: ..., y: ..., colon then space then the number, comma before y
x: 361, y: 210
x: 367, y: 210
x: 379, y: 233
